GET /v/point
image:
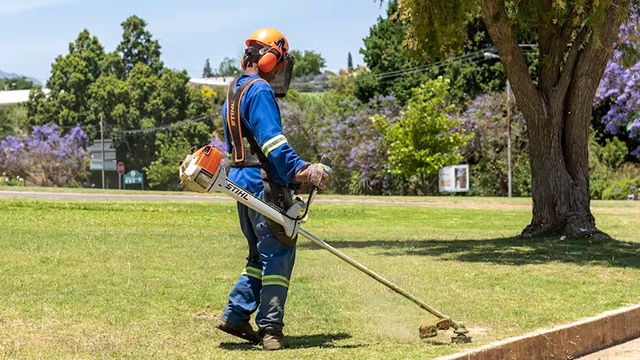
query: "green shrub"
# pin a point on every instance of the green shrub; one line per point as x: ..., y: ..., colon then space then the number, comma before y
x: 606, y: 165
x: 9, y: 181
x: 625, y: 189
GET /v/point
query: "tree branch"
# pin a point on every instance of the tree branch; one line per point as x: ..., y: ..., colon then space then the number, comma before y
x: 546, y: 63
x: 606, y: 33
x: 545, y: 34
x: 505, y: 39
x: 554, y: 50
x: 590, y: 63
x: 569, y: 65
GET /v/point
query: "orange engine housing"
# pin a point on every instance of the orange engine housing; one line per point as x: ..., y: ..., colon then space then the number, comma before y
x: 208, y: 159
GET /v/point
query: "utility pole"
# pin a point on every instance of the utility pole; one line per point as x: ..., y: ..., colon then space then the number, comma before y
x: 509, y: 133
x: 102, y: 142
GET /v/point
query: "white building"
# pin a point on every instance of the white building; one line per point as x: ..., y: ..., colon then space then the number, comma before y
x: 15, y: 96
x: 209, y: 82
x: 19, y: 96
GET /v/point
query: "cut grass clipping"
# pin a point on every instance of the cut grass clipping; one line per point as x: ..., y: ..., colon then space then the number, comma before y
x: 90, y: 279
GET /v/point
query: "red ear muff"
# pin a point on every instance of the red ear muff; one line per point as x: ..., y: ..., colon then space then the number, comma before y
x: 267, y: 59
x: 268, y: 62
x: 244, y: 67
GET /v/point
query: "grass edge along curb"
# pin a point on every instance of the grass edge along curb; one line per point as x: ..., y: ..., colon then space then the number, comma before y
x: 563, y: 342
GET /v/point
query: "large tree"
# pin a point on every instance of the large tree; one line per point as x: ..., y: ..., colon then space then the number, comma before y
x: 138, y: 47
x: 142, y: 101
x: 207, y: 72
x: 71, y: 77
x: 575, y: 40
x: 309, y: 63
x: 17, y: 83
x: 228, y: 67
x: 386, y: 59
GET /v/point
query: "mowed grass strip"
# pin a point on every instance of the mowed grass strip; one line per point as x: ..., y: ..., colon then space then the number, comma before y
x: 96, y: 279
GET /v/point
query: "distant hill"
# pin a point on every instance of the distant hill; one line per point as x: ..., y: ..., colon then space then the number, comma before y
x: 4, y: 75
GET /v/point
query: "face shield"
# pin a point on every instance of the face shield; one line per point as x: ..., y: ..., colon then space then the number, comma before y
x: 280, y: 84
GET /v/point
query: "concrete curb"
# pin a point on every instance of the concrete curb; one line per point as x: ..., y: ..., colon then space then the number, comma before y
x: 564, y: 342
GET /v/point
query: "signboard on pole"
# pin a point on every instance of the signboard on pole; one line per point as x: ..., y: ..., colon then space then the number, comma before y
x: 454, y: 178
x: 133, y: 177
x: 110, y: 163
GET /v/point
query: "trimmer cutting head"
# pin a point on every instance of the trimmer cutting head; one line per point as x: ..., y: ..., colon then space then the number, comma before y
x: 461, y: 339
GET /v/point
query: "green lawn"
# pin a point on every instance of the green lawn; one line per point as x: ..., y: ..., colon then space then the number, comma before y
x: 100, y: 279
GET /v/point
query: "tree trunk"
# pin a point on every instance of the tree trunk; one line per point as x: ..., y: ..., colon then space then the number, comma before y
x: 558, y: 111
x: 561, y: 199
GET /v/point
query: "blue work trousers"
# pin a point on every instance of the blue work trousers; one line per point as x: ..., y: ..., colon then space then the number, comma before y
x: 264, y: 283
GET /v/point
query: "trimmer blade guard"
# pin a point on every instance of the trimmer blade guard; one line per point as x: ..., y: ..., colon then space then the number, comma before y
x: 199, y: 171
x: 428, y: 331
x: 431, y: 330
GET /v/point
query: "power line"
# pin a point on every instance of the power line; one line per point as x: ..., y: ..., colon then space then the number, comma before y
x: 384, y: 77
x: 459, y: 58
x: 165, y: 127
x: 404, y: 71
x: 473, y: 56
x: 437, y: 65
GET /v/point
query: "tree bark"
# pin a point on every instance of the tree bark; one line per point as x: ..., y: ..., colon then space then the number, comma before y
x: 558, y: 113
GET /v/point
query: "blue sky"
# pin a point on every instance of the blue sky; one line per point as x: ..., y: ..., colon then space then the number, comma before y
x: 34, y: 32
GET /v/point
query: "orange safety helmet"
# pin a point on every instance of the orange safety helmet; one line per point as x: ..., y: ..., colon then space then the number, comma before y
x: 276, y: 48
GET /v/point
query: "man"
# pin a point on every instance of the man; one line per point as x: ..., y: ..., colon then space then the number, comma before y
x: 264, y: 164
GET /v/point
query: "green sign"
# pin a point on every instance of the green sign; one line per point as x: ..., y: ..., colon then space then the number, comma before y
x: 133, y: 177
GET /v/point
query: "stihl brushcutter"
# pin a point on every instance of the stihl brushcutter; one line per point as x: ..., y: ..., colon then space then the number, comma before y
x: 201, y: 172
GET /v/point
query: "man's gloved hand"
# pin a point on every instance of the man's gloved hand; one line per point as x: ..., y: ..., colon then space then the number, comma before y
x: 318, y: 175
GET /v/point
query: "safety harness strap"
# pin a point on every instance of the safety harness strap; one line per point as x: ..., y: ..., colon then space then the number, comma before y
x: 242, y: 156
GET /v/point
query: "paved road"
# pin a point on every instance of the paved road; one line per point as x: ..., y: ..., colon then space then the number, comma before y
x: 627, y: 351
x: 81, y: 196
